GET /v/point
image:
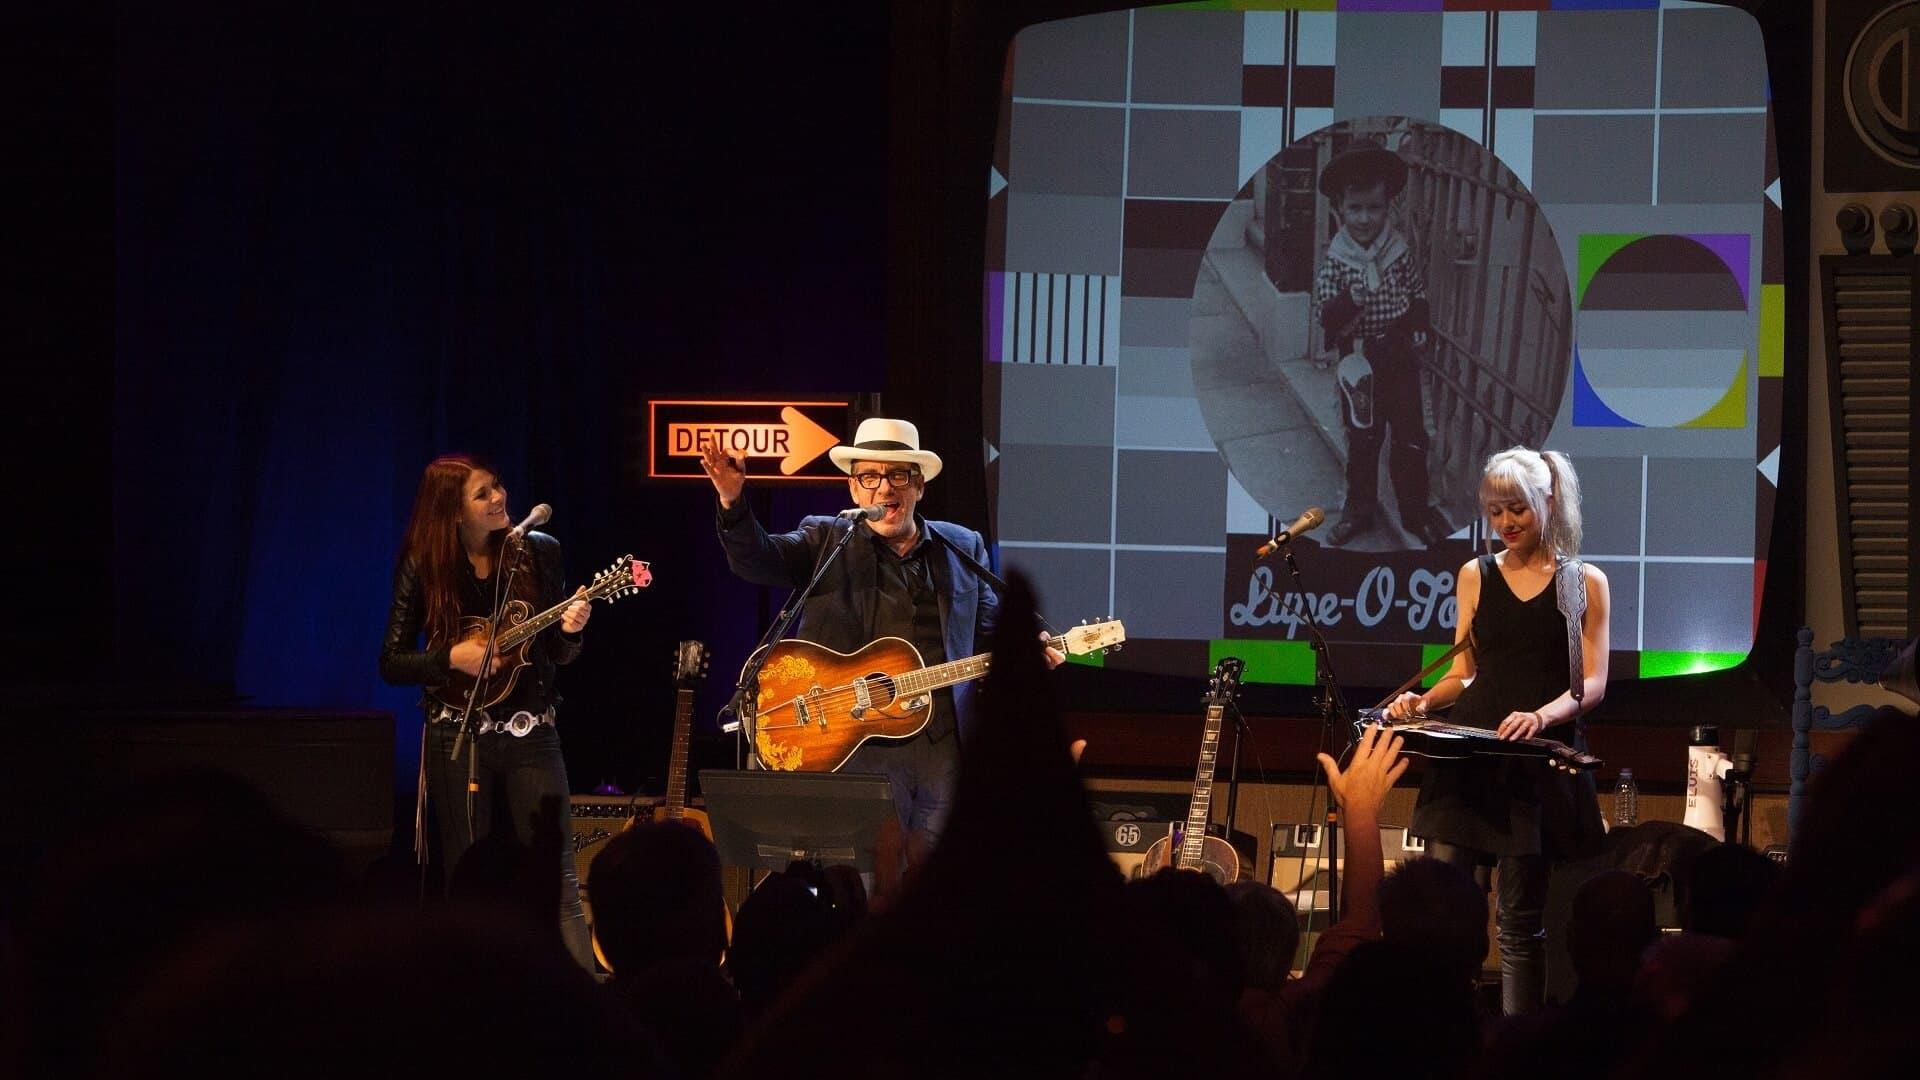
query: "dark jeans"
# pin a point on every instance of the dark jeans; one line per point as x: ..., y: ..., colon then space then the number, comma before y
x: 513, y: 774
x: 1397, y: 406
x: 922, y: 771
x: 1519, y: 919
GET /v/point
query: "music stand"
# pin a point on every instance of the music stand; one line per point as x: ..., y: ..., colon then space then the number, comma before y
x: 767, y: 820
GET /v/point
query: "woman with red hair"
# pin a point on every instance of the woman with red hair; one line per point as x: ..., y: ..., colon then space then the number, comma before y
x: 453, y: 563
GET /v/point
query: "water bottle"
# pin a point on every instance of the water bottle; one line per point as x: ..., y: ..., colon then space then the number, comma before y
x: 1626, y: 801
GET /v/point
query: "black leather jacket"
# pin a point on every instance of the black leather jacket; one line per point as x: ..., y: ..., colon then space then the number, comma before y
x: 403, y: 662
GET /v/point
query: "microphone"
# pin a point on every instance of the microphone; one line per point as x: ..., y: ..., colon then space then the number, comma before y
x: 1306, y: 522
x: 863, y: 513
x: 535, y: 518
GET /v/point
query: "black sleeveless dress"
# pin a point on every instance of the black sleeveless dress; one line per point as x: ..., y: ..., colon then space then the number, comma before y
x: 1512, y: 806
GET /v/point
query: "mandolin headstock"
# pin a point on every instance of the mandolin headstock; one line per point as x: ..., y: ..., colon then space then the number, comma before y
x: 626, y: 576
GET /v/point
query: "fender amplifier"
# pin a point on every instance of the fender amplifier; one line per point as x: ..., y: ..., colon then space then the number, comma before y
x: 596, y: 818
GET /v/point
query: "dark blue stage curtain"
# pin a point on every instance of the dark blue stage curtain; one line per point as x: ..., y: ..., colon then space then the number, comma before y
x: 349, y: 241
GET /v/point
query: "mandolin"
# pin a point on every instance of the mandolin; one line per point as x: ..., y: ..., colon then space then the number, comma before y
x: 1189, y: 846
x: 816, y: 706
x: 624, y: 578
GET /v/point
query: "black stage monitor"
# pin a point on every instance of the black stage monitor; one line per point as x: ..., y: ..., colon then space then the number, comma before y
x: 769, y: 819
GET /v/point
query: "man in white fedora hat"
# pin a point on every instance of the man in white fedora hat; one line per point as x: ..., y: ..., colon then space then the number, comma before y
x: 906, y: 578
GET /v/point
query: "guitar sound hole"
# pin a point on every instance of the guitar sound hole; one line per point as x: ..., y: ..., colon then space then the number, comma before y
x: 880, y: 688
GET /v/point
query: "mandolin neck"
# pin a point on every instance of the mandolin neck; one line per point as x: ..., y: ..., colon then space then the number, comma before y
x: 513, y: 636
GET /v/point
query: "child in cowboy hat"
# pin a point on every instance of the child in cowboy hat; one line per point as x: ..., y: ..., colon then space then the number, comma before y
x: 1373, y: 307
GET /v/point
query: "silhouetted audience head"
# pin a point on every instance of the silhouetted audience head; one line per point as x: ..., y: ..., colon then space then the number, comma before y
x: 690, y: 1006
x: 780, y: 930
x: 1729, y: 884
x: 839, y: 886
x: 1848, y: 847
x: 1439, y: 907
x: 362, y: 991
x: 1191, y: 910
x: 1873, y: 995
x: 166, y: 858
x: 1268, y: 928
x: 1611, y: 925
x: 1394, y: 1009
x: 488, y: 871
x: 656, y: 896
x: 1677, y: 969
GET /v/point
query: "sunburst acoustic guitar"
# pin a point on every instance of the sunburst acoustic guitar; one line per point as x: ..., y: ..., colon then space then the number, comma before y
x: 816, y: 706
x: 1190, y: 847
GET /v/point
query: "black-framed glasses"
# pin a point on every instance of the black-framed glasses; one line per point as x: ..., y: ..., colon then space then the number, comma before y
x: 895, y: 477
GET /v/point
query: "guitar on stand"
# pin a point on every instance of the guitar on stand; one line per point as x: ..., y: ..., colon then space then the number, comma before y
x: 1197, y: 849
x: 816, y: 706
x: 690, y: 659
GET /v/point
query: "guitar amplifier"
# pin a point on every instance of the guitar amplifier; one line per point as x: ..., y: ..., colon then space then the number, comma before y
x: 1298, y: 860
x: 1300, y: 868
x: 596, y: 818
x: 1127, y: 841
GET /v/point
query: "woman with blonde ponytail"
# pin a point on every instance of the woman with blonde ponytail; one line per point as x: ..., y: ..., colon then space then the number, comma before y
x: 1516, y: 680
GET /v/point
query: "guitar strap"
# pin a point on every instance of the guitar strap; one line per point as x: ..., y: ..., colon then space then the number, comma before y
x: 1570, y: 592
x: 973, y: 564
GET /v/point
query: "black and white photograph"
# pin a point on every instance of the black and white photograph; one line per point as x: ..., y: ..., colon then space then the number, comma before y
x: 1382, y: 306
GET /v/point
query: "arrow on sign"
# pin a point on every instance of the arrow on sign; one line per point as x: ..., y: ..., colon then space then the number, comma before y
x: 795, y: 441
x: 809, y: 440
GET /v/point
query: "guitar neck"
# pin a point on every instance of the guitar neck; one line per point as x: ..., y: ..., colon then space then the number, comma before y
x: 676, y: 804
x: 1200, y: 810
x: 953, y: 672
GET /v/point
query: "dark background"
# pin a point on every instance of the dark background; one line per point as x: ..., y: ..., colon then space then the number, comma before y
x: 270, y: 264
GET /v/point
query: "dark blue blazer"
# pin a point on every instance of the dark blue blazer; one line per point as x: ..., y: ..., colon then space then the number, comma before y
x: 840, y: 613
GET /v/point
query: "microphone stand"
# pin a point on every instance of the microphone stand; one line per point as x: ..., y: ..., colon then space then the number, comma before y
x: 740, y: 705
x: 1333, y: 707
x: 1735, y: 819
x: 1240, y: 733
x: 511, y: 553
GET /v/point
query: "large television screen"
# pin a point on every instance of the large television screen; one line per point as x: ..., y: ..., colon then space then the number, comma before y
x: 1584, y: 196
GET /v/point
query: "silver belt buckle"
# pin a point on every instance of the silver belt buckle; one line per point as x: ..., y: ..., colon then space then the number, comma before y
x: 520, y: 723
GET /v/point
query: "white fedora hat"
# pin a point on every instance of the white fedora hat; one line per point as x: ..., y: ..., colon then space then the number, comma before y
x: 880, y: 439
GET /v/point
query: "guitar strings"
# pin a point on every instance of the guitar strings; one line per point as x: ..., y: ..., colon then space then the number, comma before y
x: 835, y: 697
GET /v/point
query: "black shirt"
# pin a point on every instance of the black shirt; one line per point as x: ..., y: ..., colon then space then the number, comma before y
x: 907, y: 605
x: 1502, y: 805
